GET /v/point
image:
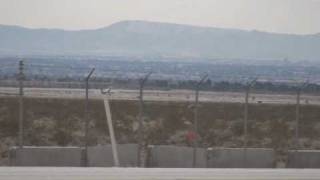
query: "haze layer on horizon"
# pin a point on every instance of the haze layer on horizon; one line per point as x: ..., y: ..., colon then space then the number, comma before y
x: 280, y: 16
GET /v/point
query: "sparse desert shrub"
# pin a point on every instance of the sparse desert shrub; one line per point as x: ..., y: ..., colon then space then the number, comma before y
x: 40, y: 132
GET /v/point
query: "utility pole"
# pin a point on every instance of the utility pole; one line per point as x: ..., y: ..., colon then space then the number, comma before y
x: 21, y: 78
x: 86, y: 111
x: 195, y: 119
x: 141, y: 116
x: 249, y: 86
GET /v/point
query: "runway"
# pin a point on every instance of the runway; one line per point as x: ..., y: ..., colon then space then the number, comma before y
x: 38, y: 173
x: 158, y: 95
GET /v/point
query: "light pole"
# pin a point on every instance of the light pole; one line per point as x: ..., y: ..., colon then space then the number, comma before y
x: 195, y: 119
x: 142, y: 82
x: 87, y: 117
x: 248, y: 87
x: 111, y: 133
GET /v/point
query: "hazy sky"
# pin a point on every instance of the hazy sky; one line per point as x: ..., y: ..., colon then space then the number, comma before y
x: 287, y: 16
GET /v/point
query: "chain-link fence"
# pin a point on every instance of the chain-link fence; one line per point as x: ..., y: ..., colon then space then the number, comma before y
x: 200, y: 121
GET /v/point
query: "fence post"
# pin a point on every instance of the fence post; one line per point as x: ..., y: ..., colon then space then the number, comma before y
x: 141, y: 115
x: 195, y: 118
x: 249, y: 85
x: 21, y: 78
x: 87, y: 117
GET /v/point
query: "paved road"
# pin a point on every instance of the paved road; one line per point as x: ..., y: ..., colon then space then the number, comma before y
x: 15, y: 173
x: 172, y: 95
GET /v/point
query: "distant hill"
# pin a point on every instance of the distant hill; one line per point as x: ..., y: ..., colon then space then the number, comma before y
x: 141, y: 38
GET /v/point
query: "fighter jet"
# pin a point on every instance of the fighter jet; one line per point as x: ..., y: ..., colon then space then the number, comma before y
x: 105, y: 91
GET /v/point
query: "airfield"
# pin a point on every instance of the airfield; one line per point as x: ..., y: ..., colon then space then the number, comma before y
x: 72, y: 173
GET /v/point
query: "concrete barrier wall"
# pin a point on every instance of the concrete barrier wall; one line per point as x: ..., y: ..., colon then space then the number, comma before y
x: 304, y: 159
x: 101, y: 156
x: 239, y: 158
x: 46, y: 156
x: 160, y: 156
x: 176, y: 157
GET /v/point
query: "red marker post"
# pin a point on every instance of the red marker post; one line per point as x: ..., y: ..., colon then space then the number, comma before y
x: 191, y: 137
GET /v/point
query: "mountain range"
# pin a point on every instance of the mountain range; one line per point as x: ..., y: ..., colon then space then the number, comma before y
x: 143, y: 38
